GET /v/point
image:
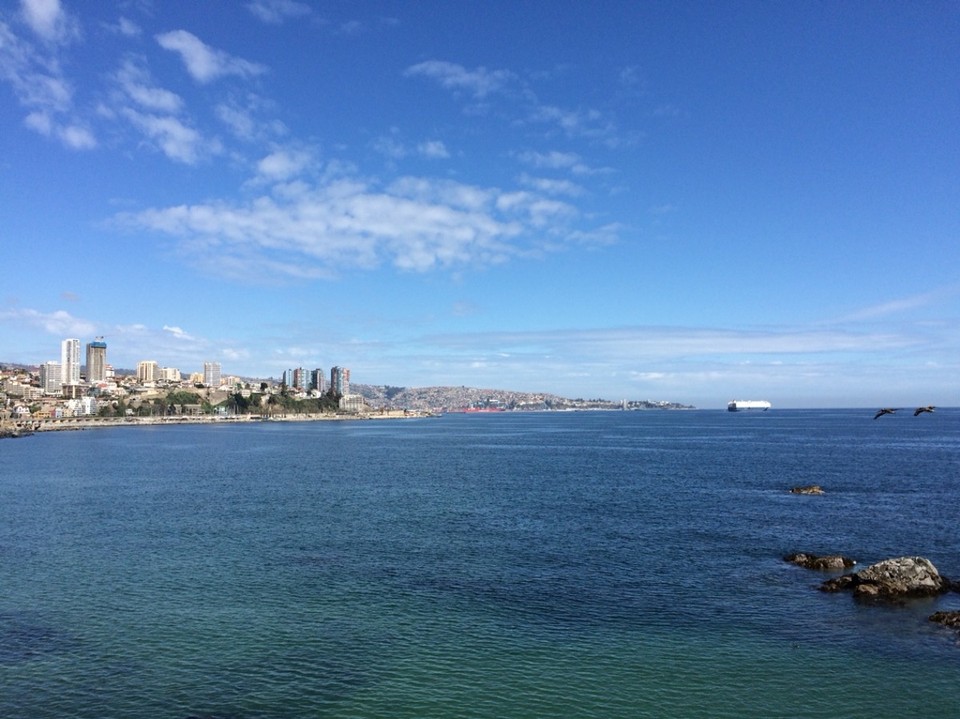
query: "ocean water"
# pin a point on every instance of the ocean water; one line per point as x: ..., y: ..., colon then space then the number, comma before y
x: 608, y: 564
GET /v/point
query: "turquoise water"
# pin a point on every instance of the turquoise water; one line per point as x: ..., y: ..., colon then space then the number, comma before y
x: 511, y: 565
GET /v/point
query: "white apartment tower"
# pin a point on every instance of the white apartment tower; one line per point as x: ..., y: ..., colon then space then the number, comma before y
x: 50, y: 378
x: 211, y: 374
x: 70, y: 361
x: 147, y: 371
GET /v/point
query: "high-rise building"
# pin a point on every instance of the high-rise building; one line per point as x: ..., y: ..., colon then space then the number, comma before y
x: 340, y: 380
x: 97, y: 361
x: 50, y: 381
x: 300, y: 379
x: 168, y: 374
x: 146, y: 371
x: 70, y: 361
x: 318, y: 381
x: 211, y: 374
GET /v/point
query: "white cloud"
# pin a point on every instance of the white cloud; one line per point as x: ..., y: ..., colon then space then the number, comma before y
x: 40, y: 87
x: 549, y: 186
x: 276, y: 11
x: 59, y: 323
x: 416, y: 224
x: 390, y: 147
x: 203, y: 62
x: 138, y: 85
x: 175, y: 139
x: 554, y: 160
x: 176, y: 332
x: 128, y: 27
x: 244, y: 121
x: 433, y: 149
x: 480, y: 82
x: 284, y: 163
x: 48, y: 19
x: 77, y: 137
x: 124, y: 26
x: 901, y: 305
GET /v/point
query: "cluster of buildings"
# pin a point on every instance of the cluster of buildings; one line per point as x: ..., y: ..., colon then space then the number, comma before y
x: 305, y: 382
x: 83, y: 380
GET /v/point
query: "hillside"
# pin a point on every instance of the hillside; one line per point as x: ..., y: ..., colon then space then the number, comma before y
x: 460, y: 398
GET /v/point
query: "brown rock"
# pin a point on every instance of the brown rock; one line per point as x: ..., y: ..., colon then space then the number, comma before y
x: 809, y: 489
x: 894, y: 579
x: 830, y: 562
x: 947, y: 619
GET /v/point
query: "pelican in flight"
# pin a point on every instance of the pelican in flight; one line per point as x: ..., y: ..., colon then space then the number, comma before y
x: 921, y: 410
x: 885, y: 410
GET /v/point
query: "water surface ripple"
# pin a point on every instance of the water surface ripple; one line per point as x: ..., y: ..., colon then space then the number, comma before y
x: 615, y: 564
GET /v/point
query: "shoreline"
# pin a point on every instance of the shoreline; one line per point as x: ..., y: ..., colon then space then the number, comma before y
x: 23, y: 428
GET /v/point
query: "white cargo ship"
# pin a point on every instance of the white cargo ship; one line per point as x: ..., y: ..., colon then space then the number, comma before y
x: 738, y: 405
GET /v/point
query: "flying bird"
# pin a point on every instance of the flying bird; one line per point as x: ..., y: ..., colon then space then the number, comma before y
x: 885, y: 410
x: 921, y: 410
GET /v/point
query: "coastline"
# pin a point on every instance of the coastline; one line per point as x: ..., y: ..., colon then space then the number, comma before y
x: 23, y: 428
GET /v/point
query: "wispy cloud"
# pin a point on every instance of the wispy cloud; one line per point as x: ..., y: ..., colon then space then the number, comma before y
x: 526, y: 107
x: 176, y: 140
x: 415, y: 224
x: 59, y: 322
x: 275, y: 12
x: 550, y: 186
x: 124, y: 26
x: 137, y: 84
x: 49, y: 20
x: 204, y: 63
x: 900, y: 305
x: 176, y: 332
x: 245, y: 119
x: 555, y: 160
x: 284, y: 163
x: 36, y: 78
x: 478, y: 82
x: 434, y: 149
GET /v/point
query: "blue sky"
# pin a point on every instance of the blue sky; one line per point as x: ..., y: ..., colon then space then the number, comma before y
x: 692, y: 202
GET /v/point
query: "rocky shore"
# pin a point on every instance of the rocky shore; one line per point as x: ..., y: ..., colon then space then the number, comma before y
x: 20, y: 429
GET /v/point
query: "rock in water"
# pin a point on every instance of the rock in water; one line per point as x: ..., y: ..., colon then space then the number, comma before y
x: 809, y: 489
x: 812, y: 561
x: 898, y: 578
x: 947, y: 619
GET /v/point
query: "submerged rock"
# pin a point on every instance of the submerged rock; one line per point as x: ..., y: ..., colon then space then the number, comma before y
x: 892, y: 579
x: 947, y: 619
x: 812, y: 561
x: 808, y: 489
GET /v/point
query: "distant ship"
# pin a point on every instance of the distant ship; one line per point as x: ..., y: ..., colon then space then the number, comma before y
x: 739, y: 405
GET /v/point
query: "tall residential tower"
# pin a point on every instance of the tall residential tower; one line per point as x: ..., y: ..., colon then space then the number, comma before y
x: 97, y: 361
x: 70, y: 362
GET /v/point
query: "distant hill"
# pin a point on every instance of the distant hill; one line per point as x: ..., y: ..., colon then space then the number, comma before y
x: 460, y: 398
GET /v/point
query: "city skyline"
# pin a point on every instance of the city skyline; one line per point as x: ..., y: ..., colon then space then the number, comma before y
x: 683, y: 202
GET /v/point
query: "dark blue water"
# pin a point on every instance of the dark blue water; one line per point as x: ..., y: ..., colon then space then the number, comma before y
x: 509, y: 565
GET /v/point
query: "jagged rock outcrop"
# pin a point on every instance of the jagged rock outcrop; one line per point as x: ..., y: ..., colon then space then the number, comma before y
x: 830, y: 562
x: 947, y: 619
x: 808, y: 489
x: 892, y: 579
